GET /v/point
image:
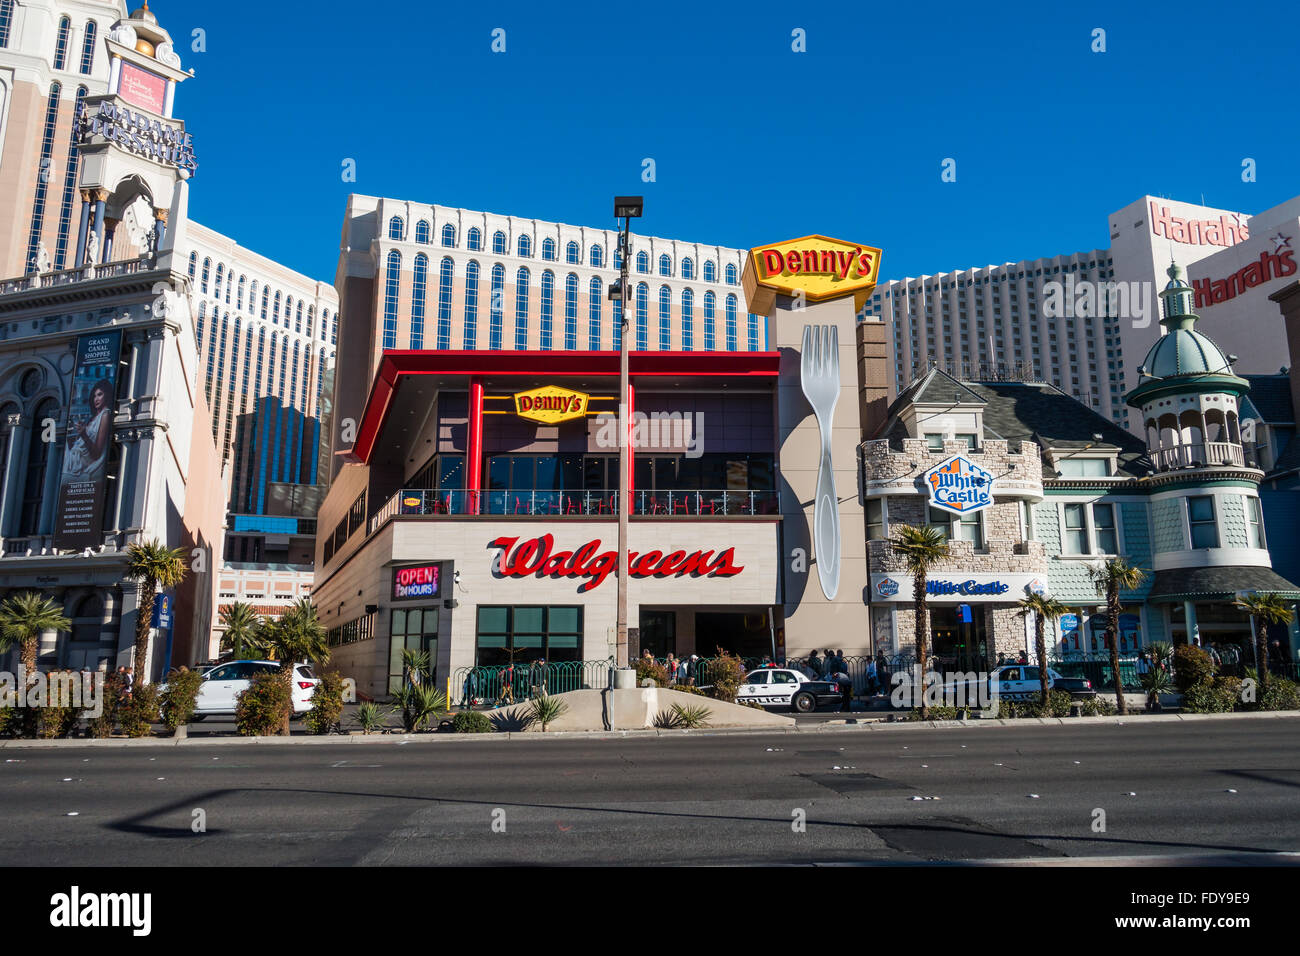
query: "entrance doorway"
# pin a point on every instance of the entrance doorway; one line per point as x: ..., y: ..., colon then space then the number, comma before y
x: 745, y: 635
x: 659, y: 633
x: 959, y: 637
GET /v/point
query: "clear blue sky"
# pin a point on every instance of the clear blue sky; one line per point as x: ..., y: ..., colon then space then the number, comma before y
x: 752, y: 142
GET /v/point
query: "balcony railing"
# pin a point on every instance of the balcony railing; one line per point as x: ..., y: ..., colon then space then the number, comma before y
x: 66, y: 276
x: 1199, y: 456
x: 589, y: 503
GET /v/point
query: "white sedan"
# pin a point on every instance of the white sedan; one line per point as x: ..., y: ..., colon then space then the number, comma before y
x: 221, y: 687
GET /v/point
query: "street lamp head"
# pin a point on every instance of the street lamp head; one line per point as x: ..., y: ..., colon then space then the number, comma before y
x: 628, y: 207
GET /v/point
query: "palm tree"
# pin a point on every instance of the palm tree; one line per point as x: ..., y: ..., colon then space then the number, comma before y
x: 1264, y: 609
x: 921, y: 549
x: 297, y: 636
x: 154, y: 565
x: 24, y: 617
x: 1109, y: 578
x: 241, y: 623
x: 1044, y: 609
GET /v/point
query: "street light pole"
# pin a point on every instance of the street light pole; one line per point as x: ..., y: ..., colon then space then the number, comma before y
x: 626, y: 208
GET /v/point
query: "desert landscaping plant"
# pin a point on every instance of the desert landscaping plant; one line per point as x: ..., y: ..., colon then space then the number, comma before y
x: 258, y: 710
x: 24, y: 617
x: 1264, y: 610
x: 298, y: 636
x: 177, y: 701
x: 689, y: 717
x: 241, y: 625
x: 155, y: 566
x: 1155, y: 682
x: 1044, y: 609
x: 545, y: 709
x: 1192, y: 666
x: 326, y: 705
x: 1110, y: 578
x: 471, y: 722
x: 138, y: 713
x: 726, y: 674
x: 369, y: 717
x: 921, y: 549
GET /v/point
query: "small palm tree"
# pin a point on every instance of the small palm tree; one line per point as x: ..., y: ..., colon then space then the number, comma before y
x: 546, y: 709
x: 1109, y: 578
x: 1044, y: 609
x: 241, y: 623
x: 921, y: 549
x: 297, y: 636
x: 1155, y: 682
x: 154, y: 565
x: 1264, y: 609
x: 24, y: 617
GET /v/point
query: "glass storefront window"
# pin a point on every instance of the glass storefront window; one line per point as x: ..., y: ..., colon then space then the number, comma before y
x: 415, y: 629
x: 528, y: 633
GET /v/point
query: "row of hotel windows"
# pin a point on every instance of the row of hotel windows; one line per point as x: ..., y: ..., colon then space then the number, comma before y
x: 61, y: 41
x: 45, y: 165
x: 572, y: 252
x: 947, y: 285
x: 595, y: 298
x: 270, y: 304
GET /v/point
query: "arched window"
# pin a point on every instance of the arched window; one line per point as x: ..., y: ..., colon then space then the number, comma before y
x: 311, y: 321
x: 525, y: 247
x: 38, y: 457
x: 391, y: 287
x: 731, y: 324
x: 449, y: 236
x: 642, y: 340
x: 548, y: 308
x: 548, y: 249
x: 216, y: 283
x: 69, y: 186
x: 275, y: 311
x: 571, y: 312
x: 688, y: 268
x: 42, y: 182
x: 688, y: 316
x: 665, y: 266
x: 266, y: 299
x: 710, y: 342
x: 572, y: 254
x: 665, y: 319
x: 419, y: 290
x: 617, y: 324
x: 6, y: 21
x: 194, y: 263
x: 61, y: 44
x: 595, y: 296
x: 198, y: 329
x: 618, y: 258
x: 471, y: 303
x: 731, y: 273
x: 396, y: 228
x: 643, y: 262
x: 522, y: 279
x: 446, y: 273
x: 496, y: 306
x: 422, y: 232
x: 710, y: 273
x: 88, y: 49
x: 499, y: 243
x: 239, y: 297
x: 597, y: 256
x: 207, y: 273
x: 753, y: 333
x: 474, y: 240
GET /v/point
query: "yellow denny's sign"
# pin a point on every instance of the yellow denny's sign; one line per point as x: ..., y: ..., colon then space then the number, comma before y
x: 551, y: 404
x: 817, y: 268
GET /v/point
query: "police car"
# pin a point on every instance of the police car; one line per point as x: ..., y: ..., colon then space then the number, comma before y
x: 1022, y: 682
x: 781, y: 687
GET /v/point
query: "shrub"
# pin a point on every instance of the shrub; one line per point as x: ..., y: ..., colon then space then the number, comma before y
x: 57, y: 721
x: 689, y: 689
x: 326, y: 705
x: 1097, y: 707
x: 937, y: 713
x: 684, y: 718
x: 1192, y: 666
x: 112, y: 693
x: 259, y: 711
x: 1058, y: 705
x: 369, y: 717
x: 471, y: 722
x: 653, y: 670
x: 139, y: 712
x: 178, y: 699
x: 727, y: 672
x: 1281, y: 694
x: 1218, y: 696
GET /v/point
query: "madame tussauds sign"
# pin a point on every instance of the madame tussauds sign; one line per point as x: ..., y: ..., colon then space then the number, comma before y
x: 538, y: 557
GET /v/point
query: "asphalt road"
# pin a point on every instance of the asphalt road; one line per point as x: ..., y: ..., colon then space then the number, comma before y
x: 1213, y: 791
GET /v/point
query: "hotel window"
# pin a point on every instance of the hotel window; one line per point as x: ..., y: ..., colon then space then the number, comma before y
x: 194, y: 263
x: 88, y: 49
x: 642, y: 262
x: 449, y: 236
x: 1254, y: 523
x: 474, y: 240
x: 731, y: 323
x: 595, y: 296
x: 548, y: 249
x: 875, y: 519
x: 396, y: 228
x: 239, y: 300
x: 471, y: 304
x: 522, y: 279
x: 688, y: 318
x: 391, y: 287
x: 572, y: 254
x: 496, y: 307
x: 709, y: 335
x: 207, y: 273
x: 710, y: 273
x: 665, y: 319
x: 6, y: 21
x: 571, y: 312
x: 525, y: 247
x: 731, y: 274
x: 422, y: 232
x: 1200, y: 519
x: 61, y: 44
x: 688, y: 268
x: 415, y: 629
x: 616, y: 325
x: 642, y: 317
x: 419, y: 292
x: 525, y: 634
x: 597, y: 256
x: 1103, y: 524
x: 753, y: 332
x: 1076, y: 530
x: 69, y: 187
x: 547, y: 308
x: 499, y: 243
x: 665, y: 266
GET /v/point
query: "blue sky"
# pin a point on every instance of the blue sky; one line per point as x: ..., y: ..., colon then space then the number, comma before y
x: 752, y: 143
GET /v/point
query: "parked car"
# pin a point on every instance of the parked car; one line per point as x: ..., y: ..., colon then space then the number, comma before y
x: 219, y: 692
x: 782, y: 687
x: 1022, y: 682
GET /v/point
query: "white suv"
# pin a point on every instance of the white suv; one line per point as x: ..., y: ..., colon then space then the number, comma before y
x: 221, y: 687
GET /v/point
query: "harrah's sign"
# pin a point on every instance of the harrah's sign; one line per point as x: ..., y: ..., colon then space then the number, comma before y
x: 1270, y: 266
x: 1197, y: 232
x: 537, y: 556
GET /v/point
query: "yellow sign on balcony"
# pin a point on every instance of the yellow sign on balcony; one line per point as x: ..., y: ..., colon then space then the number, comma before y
x: 551, y: 404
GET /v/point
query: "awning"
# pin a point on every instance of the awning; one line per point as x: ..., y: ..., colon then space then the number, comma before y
x: 1218, y: 584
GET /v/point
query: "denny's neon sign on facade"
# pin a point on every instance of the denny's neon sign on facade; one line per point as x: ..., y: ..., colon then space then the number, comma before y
x: 551, y: 404
x: 817, y: 268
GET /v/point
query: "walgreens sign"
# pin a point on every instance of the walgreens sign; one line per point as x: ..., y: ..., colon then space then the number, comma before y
x: 537, y: 557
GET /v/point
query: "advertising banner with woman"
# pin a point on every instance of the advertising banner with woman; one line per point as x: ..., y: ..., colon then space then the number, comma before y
x: 88, y: 441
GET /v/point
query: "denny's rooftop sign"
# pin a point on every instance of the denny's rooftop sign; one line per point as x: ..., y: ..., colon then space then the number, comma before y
x: 816, y: 268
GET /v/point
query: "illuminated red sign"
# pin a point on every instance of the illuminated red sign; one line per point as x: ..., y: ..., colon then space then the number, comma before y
x: 415, y: 581
x: 1269, y: 266
x: 142, y: 88
x: 537, y: 557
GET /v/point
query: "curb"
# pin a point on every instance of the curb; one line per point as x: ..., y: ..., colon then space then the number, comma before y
x: 832, y: 726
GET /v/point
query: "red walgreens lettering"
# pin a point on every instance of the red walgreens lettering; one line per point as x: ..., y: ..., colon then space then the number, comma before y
x: 537, y: 556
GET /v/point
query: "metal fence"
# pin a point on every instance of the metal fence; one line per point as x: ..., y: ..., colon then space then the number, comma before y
x: 488, y: 683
